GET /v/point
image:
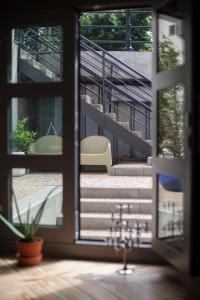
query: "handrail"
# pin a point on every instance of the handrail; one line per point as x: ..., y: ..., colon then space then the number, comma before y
x: 116, y: 88
x: 119, y: 99
x: 147, y: 128
x: 38, y: 53
x: 117, y: 66
x: 119, y: 80
x: 119, y: 61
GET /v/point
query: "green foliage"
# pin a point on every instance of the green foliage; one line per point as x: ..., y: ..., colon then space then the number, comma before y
x: 29, y: 226
x: 22, y: 137
x: 39, y: 39
x: 169, y: 56
x: 118, y: 33
x: 171, y: 106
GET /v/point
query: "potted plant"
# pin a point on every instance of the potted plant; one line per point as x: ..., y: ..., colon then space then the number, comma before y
x: 29, y: 247
x: 22, y: 137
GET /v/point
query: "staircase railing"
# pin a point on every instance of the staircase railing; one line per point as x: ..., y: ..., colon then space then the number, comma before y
x: 118, y: 82
x: 41, y: 49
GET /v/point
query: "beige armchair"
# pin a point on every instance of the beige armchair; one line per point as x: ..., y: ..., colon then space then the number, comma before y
x: 96, y: 150
x: 46, y: 145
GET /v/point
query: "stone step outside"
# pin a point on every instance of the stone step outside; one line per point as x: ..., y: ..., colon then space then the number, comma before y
x: 138, y: 133
x: 149, y: 161
x: 98, y: 106
x: 149, y: 141
x: 125, y: 124
x: 86, y: 98
x: 104, y: 234
x: 103, y: 205
x: 104, y: 221
x: 110, y: 115
x: 131, y: 169
x: 134, y: 193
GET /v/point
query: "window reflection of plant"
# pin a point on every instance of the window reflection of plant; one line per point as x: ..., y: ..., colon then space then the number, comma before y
x: 171, y: 106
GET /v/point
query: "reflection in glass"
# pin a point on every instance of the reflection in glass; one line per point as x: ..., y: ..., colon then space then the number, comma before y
x: 36, y: 54
x: 35, y: 126
x: 171, y: 122
x: 171, y: 45
x: 170, y: 210
x: 31, y: 187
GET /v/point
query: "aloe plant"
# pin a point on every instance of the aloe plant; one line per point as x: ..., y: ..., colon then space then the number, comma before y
x: 29, y: 227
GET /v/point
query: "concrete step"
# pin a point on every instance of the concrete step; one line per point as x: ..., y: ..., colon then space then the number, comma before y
x: 125, y: 124
x: 149, y: 161
x: 98, y: 106
x: 116, y: 192
x: 138, y: 133
x: 31, y: 60
x: 149, y: 141
x: 103, y: 234
x: 110, y: 115
x: 103, y: 205
x: 86, y: 98
x: 131, y: 169
x: 103, y: 221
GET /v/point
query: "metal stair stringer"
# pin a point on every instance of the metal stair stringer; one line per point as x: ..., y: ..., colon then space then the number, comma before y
x: 121, y: 132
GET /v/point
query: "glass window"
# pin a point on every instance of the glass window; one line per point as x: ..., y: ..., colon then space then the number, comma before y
x: 170, y: 210
x: 35, y: 126
x: 31, y: 187
x: 171, y: 122
x: 171, y: 46
x: 36, y: 54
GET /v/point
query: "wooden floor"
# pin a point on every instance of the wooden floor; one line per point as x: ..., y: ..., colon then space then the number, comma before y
x: 83, y: 280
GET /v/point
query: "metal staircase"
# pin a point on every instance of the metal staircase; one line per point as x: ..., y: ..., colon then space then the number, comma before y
x: 117, y: 84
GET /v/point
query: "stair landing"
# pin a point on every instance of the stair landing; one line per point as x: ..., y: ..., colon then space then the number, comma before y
x: 103, y: 180
x: 131, y: 169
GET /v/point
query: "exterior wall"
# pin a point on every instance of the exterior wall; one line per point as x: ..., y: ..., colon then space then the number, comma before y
x: 140, y: 61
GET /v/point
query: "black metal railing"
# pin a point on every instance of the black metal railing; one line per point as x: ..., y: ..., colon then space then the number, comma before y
x: 127, y: 29
x: 99, y: 67
x: 117, y: 80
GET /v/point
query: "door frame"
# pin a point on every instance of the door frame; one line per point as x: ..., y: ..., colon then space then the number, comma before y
x: 181, y: 74
x: 63, y: 244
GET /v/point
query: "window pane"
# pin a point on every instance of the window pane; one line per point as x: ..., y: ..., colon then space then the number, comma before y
x: 171, y: 122
x: 36, y: 54
x: 31, y: 187
x: 170, y: 210
x: 35, y: 126
x: 171, y: 46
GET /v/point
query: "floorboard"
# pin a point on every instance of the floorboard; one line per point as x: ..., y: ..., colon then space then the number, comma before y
x: 84, y: 280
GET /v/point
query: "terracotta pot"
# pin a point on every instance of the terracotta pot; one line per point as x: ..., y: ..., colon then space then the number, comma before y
x: 29, y: 253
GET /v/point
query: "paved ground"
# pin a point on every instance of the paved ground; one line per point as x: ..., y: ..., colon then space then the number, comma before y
x: 104, y: 180
x: 30, y: 183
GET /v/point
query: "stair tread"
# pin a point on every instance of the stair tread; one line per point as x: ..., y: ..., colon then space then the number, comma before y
x: 131, y: 166
x: 115, y: 200
x: 104, y: 181
x: 105, y: 233
x: 108, y: 216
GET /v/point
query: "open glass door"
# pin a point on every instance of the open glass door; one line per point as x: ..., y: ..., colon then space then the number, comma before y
x: 171, y: 133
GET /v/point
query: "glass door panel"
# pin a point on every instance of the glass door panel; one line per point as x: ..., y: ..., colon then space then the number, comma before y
x: 171, y: 154
x: 30, y: 188
x: 35, y: 126
x: 36, y: 54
